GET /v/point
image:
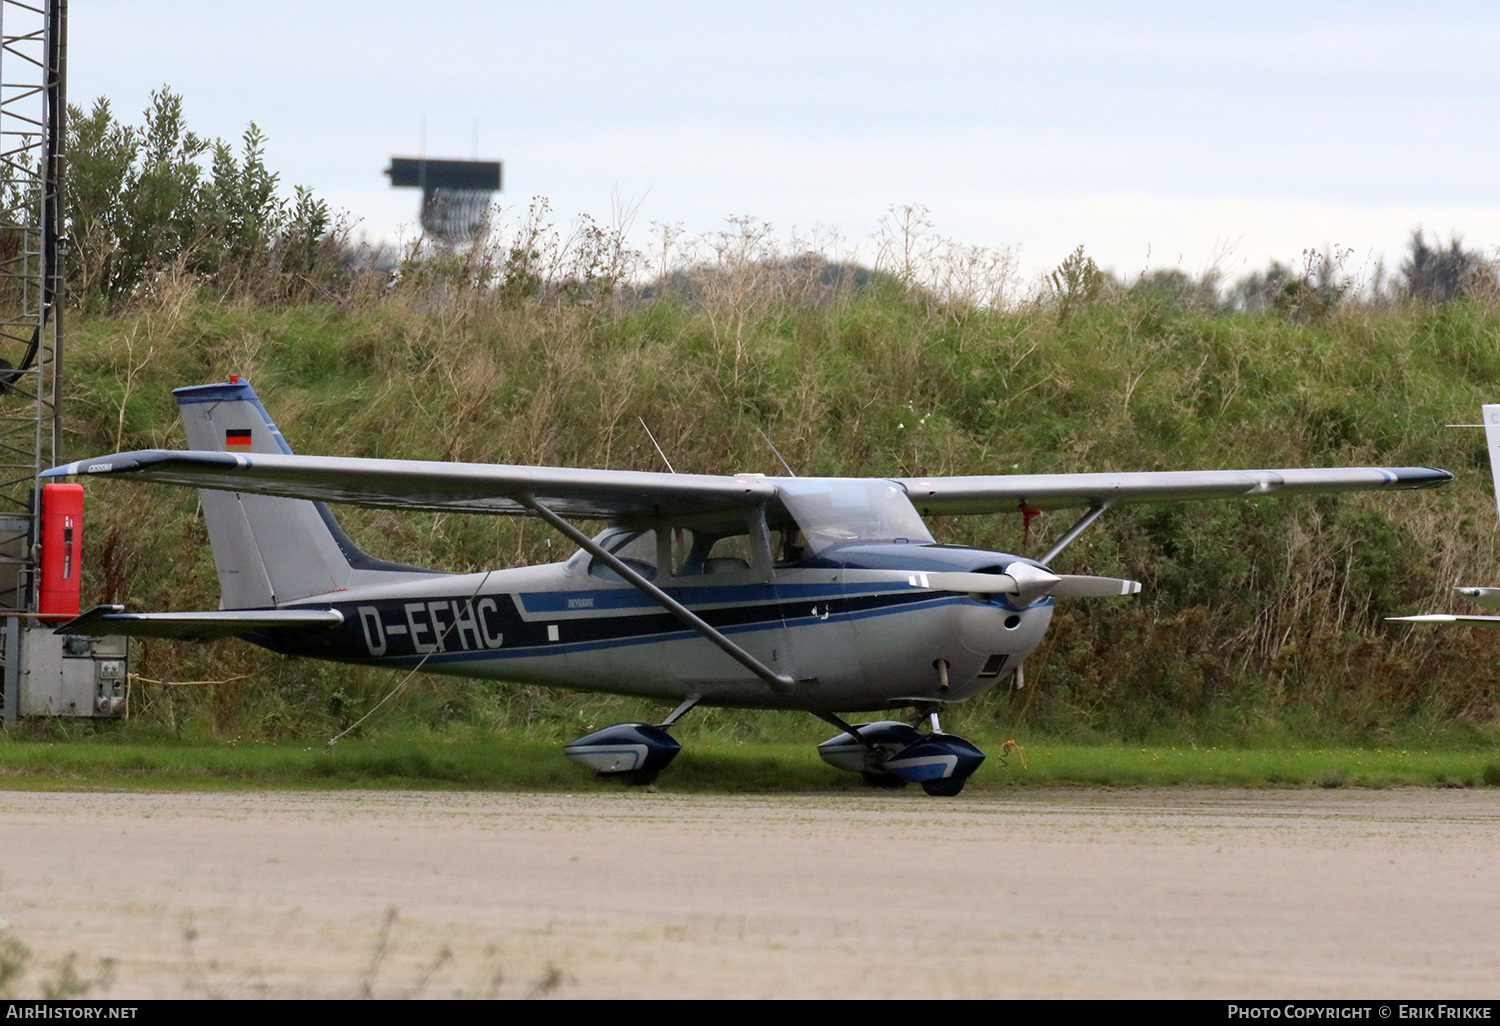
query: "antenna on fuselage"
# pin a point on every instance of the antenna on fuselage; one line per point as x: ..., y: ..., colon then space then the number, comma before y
x: 789, y: 470
x: 658, y: 447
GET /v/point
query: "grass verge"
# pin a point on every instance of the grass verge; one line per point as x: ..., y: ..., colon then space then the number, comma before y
x: 711, y: 766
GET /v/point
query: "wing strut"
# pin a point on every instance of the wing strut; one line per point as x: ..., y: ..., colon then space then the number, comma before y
x: 1094, y: 513
x: 681, y: 710
x: 779, y: 682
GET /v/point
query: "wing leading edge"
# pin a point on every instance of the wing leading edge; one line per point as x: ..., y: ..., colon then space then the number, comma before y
x: 1001, y: 493
x: 613, y: 494
x: 416, y: 484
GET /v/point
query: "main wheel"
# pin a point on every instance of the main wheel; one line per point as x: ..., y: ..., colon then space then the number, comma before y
x: 947, y: 787
x: 882, y: 779
x: 631, y: 778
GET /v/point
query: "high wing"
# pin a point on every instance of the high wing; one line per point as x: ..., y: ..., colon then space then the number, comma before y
x: 502, y: 489
x: 1002, y: 493
x: 417, y: 484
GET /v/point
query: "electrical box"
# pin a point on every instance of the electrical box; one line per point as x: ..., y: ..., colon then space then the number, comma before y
x: 71, y: 675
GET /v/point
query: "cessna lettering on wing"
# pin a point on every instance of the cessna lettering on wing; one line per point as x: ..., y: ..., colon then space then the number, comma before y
x: 440, y: 625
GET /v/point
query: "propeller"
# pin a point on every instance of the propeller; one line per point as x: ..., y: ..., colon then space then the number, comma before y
x: 1026, y: 582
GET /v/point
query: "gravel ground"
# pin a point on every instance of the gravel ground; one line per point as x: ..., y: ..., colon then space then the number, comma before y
x: 1077, y: 893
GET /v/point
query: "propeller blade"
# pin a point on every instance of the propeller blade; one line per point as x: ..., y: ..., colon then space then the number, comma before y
x: 1025, y: 582
x: 974, y: 584
x: 1082, y: 586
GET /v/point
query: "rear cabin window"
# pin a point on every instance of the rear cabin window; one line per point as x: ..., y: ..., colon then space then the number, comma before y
x: 709, y: 549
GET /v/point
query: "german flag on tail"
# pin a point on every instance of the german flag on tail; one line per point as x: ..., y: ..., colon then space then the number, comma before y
x: 237, y: 438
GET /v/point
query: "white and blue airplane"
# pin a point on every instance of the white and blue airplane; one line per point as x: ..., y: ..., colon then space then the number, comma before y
x: 826, y: 595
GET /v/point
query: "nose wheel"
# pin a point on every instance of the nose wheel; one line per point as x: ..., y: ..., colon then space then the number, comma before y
x: 944, y: 788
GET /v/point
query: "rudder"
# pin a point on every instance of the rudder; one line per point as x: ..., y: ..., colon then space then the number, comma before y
x: 268, y: 550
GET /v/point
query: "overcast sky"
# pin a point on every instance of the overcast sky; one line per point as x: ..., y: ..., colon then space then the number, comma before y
x: 1154, y: 133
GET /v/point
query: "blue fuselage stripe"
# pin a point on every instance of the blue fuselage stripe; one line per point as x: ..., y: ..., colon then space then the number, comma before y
x: 562, y: 648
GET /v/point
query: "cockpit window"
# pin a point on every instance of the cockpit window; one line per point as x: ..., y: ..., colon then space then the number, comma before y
x: 636, y: 549
x: 829, y: 512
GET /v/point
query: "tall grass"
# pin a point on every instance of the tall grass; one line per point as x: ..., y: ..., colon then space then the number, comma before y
x: 1260, y: 619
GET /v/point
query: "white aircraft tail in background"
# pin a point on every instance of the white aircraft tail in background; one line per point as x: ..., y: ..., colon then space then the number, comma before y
x: 1487, y: 597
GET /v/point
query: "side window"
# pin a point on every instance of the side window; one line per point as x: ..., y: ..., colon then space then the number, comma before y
x: 636, y: 550
x: 707, y: 549
x: 729, y: 553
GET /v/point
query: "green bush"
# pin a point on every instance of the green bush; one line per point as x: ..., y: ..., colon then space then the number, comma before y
x: 148, y: 199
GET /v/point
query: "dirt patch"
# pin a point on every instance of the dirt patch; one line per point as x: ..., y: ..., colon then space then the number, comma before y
x: 1171, y: 893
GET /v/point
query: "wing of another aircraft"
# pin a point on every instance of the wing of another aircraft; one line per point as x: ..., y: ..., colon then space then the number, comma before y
x: 496, y: 488
x: 1002, y: 493
x: 1488, y: 621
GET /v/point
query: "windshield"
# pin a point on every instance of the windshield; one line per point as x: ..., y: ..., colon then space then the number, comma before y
x: 831, y: 511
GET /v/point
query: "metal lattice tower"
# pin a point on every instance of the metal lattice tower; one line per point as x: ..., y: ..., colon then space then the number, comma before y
x: 33, y: 105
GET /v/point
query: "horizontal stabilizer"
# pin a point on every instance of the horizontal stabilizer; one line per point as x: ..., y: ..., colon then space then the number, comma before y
x: 1492, y: 621
x: 103, y: 621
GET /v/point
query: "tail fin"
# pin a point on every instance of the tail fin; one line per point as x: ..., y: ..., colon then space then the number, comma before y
x: 268, y: 550
x: 1492, y: 438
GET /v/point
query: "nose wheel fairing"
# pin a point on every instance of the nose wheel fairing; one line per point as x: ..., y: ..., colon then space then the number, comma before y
x: 889, y: 751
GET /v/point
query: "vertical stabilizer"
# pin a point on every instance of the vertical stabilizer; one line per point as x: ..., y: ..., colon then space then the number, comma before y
x: 1492, y: 441
x: 268, y: 550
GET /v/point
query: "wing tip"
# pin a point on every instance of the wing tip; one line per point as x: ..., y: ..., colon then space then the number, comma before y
x: 1418, y: 477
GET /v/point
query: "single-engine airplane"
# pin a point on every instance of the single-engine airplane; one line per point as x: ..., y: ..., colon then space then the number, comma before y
x: 825, y: 595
